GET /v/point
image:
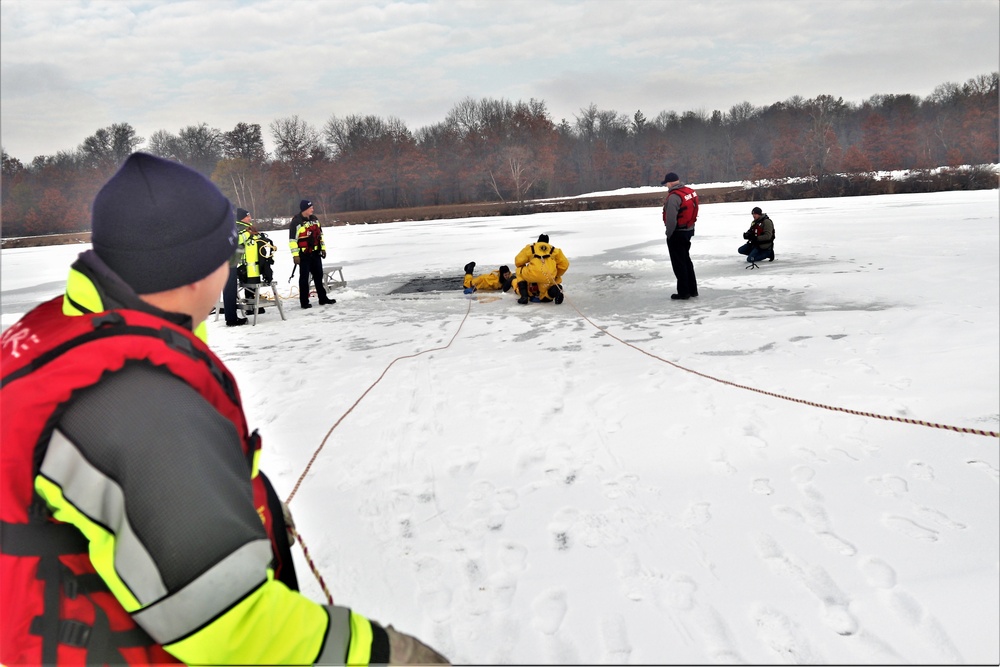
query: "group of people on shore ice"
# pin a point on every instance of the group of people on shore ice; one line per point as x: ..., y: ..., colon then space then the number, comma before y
x: 540, y: 266
x: 136, y: 526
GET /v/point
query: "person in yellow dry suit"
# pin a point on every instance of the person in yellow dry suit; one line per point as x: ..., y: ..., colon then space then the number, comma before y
x: 500, y: 279
x: 540, y: 266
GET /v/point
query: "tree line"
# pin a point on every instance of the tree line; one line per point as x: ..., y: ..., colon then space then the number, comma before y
x: 499, y: 150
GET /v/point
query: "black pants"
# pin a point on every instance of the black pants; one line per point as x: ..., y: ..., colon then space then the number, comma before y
x: 310, y: 264
x: 679, y: 246
x: 229, y: 298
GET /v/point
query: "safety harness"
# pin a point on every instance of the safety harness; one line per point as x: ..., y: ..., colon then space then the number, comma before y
x: 47, y: 541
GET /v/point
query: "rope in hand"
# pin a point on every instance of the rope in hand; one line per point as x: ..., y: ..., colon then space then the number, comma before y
x: 873, y: 415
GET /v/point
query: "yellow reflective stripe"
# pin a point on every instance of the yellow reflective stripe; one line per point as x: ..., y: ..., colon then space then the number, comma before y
x: 201, y: 331
x: 68, y: 308
x: 81, y: 290
x: 360, y: 650
x: 271, y: 626
x: 255, y: 465
x: 102, y: 542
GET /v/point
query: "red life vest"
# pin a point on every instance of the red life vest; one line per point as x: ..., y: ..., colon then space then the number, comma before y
x: 309, y: 236
x: 687, y: 214
x: 56, y: 607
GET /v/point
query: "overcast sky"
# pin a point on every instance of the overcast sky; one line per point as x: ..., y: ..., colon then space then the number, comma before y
x: 70, y: 67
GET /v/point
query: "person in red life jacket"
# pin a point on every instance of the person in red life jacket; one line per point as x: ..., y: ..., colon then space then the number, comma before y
x: 136, y: 526
x: 680, y: 211
x: 760, y: 238
x: 540, y: 268
x: 305, y: 240
x: 500, y: 279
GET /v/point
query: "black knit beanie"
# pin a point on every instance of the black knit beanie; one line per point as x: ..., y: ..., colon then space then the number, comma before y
x: 160, y: 225
x: 543, y: 238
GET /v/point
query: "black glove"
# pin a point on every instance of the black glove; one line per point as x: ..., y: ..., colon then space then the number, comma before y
x: 746, y: 235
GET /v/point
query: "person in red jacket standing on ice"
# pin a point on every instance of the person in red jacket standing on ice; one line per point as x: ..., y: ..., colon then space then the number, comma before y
x: 680, y: 211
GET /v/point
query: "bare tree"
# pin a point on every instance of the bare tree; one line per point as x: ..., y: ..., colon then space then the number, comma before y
x: 110, y: 146
x: 296, y: 145
x: 245, y: 142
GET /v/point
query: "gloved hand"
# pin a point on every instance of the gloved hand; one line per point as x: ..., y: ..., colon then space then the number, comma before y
x: 746, y: 235
x: 407, y: 650
x: 322, y: 254
x: 295, y: 258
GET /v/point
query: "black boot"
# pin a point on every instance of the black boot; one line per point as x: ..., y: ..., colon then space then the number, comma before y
x: 522, y: 288
x: 470, y: 267
x: 556, y: 294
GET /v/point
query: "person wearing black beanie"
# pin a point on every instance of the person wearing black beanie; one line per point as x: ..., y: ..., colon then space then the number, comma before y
x: 305, y: 240
x: 680, y: 212
x: 120, y: 420
x: 759, y: 239
x: 152, y: 237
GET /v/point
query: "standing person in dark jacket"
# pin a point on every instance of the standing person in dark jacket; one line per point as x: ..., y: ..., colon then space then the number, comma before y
x: 136, y: 525
x: 760, y: 238
x: 234, y: 316
x: 305, y: 240
x: 680, y: 211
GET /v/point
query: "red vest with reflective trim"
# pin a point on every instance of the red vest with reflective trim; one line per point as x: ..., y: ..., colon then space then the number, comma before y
x: 46, y: 358
x: 688, y: 212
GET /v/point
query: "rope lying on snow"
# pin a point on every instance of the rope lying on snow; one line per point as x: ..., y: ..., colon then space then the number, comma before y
x: 860, y: 413
x: 365, y: 393
x: 873, y: 415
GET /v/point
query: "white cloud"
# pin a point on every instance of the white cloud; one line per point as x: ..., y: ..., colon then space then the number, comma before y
x: 167, y: 65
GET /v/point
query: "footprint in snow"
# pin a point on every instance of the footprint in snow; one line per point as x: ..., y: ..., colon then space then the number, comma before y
x: 987, y: 468
x: 614, y: 636
x: 802, y: 474
x: 909, y: 528
x: 921, y: 470
x: 930, y: 637
x: 784, y: 637
x: 561, y: 526
x: 549, y: 609
x: 889, y: 486
x: 938, y: 518
x: 514, y: 557
x: 432, y: 596
x: 500, y: 589
x: 814, y: 579
x: 723, y: 467
x: 878, y: 573
x: 696, y: 515
x: 699, y: 622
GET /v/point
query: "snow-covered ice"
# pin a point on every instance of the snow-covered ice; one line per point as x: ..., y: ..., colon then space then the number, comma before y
x: 585, y: 483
